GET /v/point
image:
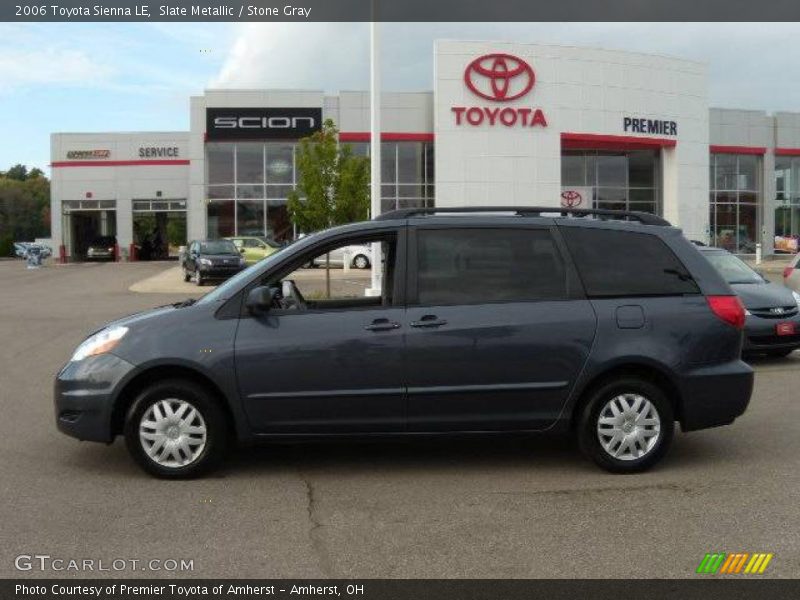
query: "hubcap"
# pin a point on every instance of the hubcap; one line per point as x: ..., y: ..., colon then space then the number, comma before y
x: 628, y: 427
x: 172, y: 433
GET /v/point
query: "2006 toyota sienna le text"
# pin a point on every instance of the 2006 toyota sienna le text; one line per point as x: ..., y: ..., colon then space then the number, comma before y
x: 607, y: 324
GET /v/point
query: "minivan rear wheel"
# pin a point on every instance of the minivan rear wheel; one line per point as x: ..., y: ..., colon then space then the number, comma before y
x: 175, y: 429
x: 626, y: 426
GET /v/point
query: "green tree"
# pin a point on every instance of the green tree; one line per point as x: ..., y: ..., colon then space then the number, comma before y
x: 332, y: 188
x: 18, y: 172
x: 24, y: 206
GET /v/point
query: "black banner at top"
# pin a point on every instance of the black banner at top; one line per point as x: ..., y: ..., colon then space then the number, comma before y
x: 262, y: 123
x: 399, y: 10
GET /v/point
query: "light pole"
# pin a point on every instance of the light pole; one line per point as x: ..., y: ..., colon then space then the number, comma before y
x: 375, y: 143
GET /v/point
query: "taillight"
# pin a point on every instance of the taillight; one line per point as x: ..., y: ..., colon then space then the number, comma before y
x: 787, y: 272
x: 728, y: 308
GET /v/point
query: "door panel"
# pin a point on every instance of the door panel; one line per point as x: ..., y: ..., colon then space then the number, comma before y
x: 501, y: 329
x: 495, y: 366
x: 330, y: 372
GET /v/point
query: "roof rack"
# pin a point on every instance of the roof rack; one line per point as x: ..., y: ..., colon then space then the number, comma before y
x: 530, y: 211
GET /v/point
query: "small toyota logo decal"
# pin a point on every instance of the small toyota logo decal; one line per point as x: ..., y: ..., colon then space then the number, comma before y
x: 778, y: 310
x: 571, y: 199
x: 499, y: 77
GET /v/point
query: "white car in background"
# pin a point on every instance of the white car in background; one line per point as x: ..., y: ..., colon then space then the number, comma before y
x: 359, y: 257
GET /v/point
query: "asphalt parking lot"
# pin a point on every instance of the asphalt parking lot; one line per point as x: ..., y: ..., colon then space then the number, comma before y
x: 494, y: 508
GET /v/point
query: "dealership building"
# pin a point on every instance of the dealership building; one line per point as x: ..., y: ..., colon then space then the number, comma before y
x: 507, y: 124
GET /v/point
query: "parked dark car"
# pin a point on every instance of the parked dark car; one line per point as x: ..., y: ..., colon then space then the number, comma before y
x: 102, y: 248
x: 205, y: 260
x: 606, y: 324
x: 772, y: 323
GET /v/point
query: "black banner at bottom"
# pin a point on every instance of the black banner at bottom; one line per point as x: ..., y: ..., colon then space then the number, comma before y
x: 408, y: 589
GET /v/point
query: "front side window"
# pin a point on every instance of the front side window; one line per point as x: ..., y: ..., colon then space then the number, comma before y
x: 622, y: 263
x: 322, y: 283
x: 469, y: 266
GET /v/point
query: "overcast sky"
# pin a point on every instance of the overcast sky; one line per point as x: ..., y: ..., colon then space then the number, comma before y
x: 132, y: 77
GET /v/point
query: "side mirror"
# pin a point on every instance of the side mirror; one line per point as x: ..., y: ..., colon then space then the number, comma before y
x: 261, y: 298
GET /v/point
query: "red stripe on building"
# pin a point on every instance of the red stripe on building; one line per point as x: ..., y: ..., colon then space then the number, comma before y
x: 594, y: 141
x: 715, y: 149
x: 787, y: 151
x: 386, y: 136
x: 118, y: 163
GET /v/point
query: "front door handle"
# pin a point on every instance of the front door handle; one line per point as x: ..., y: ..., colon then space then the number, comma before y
x: 429, y: 321
x: 382, y: 325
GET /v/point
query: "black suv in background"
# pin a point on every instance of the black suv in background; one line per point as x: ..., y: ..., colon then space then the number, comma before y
x: 607, y: 324
x: 205, y: 260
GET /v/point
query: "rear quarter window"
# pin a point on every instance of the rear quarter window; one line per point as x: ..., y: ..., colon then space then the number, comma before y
x: 614, y: 263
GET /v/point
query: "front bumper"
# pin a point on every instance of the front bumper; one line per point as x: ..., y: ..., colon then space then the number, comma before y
x: 84, y: 396
x: 220, y: 272
x: 715, y: 395
x: 760, y: 334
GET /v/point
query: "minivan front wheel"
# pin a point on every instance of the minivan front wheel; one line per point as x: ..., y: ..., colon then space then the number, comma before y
x: 626, y: 426
x: 174, y: 429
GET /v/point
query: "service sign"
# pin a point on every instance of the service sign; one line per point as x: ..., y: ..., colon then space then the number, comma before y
x: 157, y: 152
x: 262, y: 123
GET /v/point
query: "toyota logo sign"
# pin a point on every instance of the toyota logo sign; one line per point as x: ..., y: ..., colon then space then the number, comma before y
x: 499, y: 77
x: 571, y: 198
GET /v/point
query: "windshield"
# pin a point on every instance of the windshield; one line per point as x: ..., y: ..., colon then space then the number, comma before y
x: 218, y: 247
x: 231, y: 286
x: 732, y: 269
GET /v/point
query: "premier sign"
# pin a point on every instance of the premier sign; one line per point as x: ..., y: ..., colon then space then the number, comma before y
x: 499, y: 78
x: 262, y: 123
x: 651, y: 126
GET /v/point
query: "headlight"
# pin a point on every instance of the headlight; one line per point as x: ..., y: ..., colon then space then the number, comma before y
x: 205, y: 262
x: 747, y: 313
x: 101, y: 342
x: 796, y: 298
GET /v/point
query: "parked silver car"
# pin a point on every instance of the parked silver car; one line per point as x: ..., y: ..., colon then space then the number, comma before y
x: 359, y: 257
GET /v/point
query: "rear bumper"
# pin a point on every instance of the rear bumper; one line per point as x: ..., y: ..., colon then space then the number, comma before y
x: 715, y: 395
x: 760, y: 334
x: 84, y: 396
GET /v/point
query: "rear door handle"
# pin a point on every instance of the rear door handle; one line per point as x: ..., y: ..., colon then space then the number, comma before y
x: 429, y: 321
x: 382, y: 325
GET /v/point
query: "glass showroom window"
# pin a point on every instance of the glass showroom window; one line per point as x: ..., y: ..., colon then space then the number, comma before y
x: 406, y: 173
x: 787, y: 203
x: 734, y: 199
x: 614, y: 180
x: 248, y: 185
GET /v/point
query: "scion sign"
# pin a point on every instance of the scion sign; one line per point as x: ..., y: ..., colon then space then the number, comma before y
x: 261, y: 123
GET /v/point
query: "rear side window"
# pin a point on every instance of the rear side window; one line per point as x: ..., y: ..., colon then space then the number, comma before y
x: 624, y: 263
x: 469, y: 266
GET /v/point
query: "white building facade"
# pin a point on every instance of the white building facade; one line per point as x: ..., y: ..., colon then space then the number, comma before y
x: 507, y: 125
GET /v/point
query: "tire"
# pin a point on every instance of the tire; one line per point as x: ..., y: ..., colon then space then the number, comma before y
x: 199, y: 453
x: 186, y: 275
x: 779, y: 353
x: 361, y: 262
x: 620, y: 392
